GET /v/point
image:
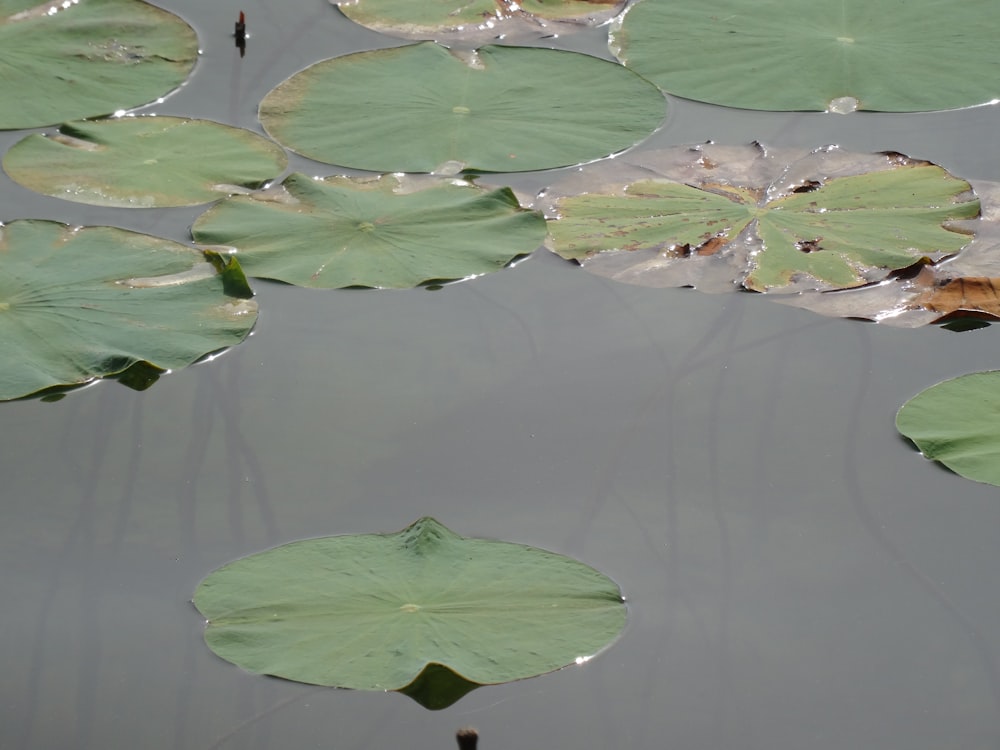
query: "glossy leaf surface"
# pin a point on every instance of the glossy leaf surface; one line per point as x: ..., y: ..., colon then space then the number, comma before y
x: 887, y: 55
x: 70, y: 59
x: 422, y: 108
x: 79, y: 303
x: 383, y: 232
x: 379, y: 611
x: 955, y: 422
x: 144, y: 162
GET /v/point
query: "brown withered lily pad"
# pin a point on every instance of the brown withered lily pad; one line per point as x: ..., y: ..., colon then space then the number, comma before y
x: 877, y: 236
x: 956, y: 291
x: 479, y: 21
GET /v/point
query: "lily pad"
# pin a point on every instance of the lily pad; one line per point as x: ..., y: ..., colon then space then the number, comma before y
x: 422, y: 108
x: 382, y: 232
x: 80, y: 303
x: 70, y: 59
x: 391, y: 611
x: 144, y: 162
x: 960, y: 292
x: 886, y: 55
x: 806, y: 55
x: 480, y: 20
x: 955, y: 422
x: 757, y: 218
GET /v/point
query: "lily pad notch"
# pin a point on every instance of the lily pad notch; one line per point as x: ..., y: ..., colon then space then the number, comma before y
x: 423, y: 611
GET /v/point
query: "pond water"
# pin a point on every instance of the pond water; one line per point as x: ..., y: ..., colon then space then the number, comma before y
x: 797, y: 575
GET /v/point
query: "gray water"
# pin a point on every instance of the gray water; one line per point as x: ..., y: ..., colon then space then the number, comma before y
x: 797, y: 575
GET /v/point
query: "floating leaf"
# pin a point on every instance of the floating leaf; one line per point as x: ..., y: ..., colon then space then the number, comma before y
x: 480, y: 20
x: 421, y: 108
x: 807, y: 55
x: 70, y: 59
x: 968, y: 295
x: 403, y: 611
x: 142, y: 162
x: 962, y: 292
x: 955, y: 422
x: 382, y: 232
x: 83, y: 303
x: 745, y: 216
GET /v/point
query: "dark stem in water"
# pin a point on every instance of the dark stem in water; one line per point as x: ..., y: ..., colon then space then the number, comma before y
x: 467, y: 738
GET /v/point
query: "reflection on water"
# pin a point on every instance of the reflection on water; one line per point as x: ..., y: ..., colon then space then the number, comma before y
x: 797, y: 575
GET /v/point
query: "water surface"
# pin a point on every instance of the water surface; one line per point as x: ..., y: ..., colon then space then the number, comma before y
x: 797, y: 575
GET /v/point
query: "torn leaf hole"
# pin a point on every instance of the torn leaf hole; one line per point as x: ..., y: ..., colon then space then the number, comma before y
x: 807, y: 186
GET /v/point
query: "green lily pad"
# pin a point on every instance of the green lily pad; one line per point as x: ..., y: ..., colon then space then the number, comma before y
x: 70, y: 59
x: 956, y: 422
x: 480, y: 20
x: 887, y: 55
x: 383, y: 232
x: 825, y: 219
x: 80, y: 303
x: 391, y: 611
x: 421, y: 108
x: 144, y: 162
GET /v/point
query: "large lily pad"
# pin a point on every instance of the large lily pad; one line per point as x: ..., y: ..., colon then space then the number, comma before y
x: 955, y: 422
x: 757, y: 218
x: 421, y: 108
x: 144, y: 162
x: 887, y: 55
x: 405, y: 610
x: 79, y: 303
x: 478, y: 21
x: 383, y: 232
x: 71, y: 59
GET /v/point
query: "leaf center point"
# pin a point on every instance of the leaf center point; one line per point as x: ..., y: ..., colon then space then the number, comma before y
x: 410, y: 607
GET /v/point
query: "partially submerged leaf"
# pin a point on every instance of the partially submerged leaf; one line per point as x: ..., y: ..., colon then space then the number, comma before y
x: 143, y: 162
x: 420, y: 108
x: 955, y: 422
x: 960, y: 292
x: 478, y: 21
x: 825, y: 219
x: 79, y: 303
x: 968, y: 295
x: 384, y: 232
x: 424, y: 611
x: 806, y: 55
x: 70, y: 59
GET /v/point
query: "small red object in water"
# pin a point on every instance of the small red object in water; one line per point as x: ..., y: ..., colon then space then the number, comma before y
x: 241, y: 34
